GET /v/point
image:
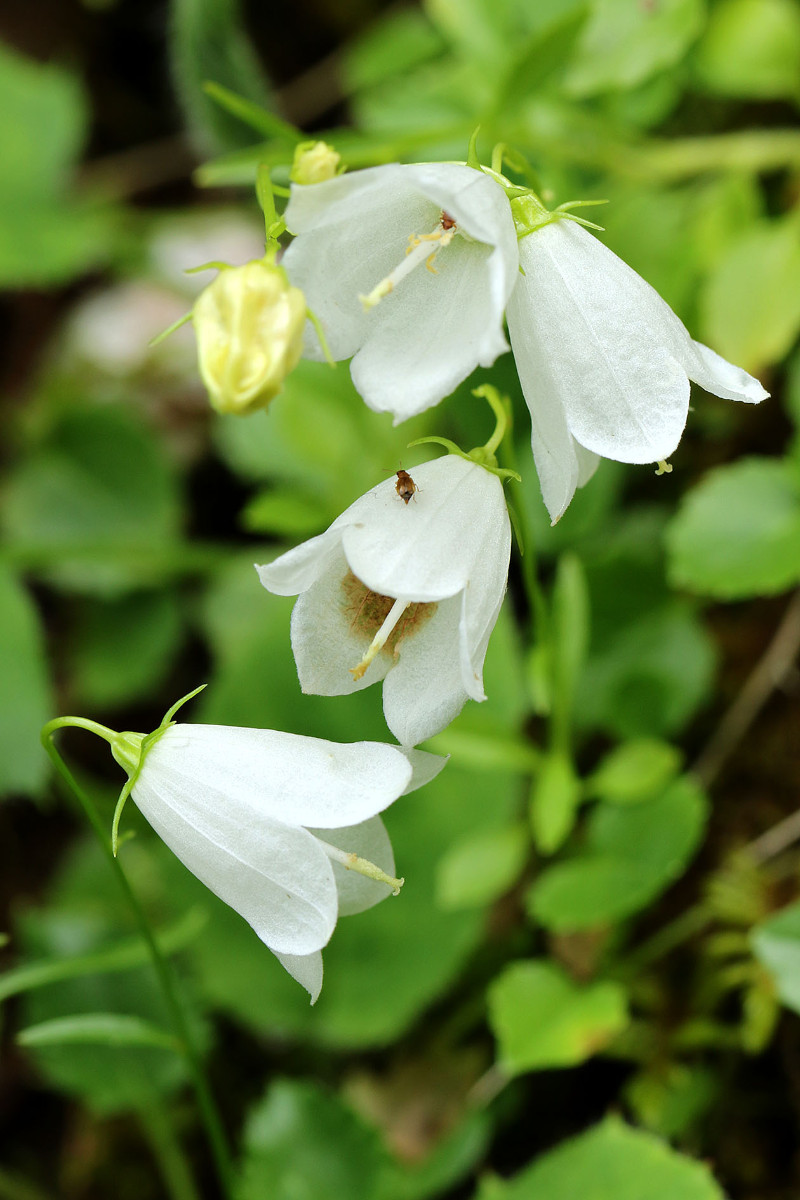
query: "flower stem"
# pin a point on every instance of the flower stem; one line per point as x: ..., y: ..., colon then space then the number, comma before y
x: 166, y: 1150
x: 208, y: 1110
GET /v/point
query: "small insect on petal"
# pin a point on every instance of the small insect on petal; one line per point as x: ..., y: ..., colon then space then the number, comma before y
x: 405, y: 485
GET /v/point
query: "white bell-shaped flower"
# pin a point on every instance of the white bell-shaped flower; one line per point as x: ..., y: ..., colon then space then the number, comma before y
x: 603, y: 361
x: 408, y: 270
x: 270, y: 822
x: 405, y: 586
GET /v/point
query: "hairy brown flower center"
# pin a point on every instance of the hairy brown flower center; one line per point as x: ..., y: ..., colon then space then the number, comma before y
x: 367, y: 611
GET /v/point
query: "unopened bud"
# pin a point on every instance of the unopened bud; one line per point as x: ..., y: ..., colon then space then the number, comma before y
x: 314, y: 162
x: 249, y: 324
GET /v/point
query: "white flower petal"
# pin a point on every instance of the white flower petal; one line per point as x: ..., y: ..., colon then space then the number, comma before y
x: 424, y: 691
x: 426, y: 549
x: 425, y: 767
x: 275, y: 876
x: 306, y: 969
x: 325, y: 640
x: 368, y: 840
x: 610, y: 343
x: 721, y: 378
x: 285, y: 776
x: 296, y: 570
x: 431, y: 333
x: 355, y: 230
x: 421, y: 341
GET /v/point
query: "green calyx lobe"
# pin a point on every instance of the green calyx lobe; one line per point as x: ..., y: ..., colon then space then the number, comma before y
x: 483, y: 456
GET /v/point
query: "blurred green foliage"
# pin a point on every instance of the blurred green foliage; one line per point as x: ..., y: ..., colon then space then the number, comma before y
x: 557, y: 907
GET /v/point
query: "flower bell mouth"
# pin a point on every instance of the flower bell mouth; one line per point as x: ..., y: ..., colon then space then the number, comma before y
x: 394, y: 619
x: 419, y: 250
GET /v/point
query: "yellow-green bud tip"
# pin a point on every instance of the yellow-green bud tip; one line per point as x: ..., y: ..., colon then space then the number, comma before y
x: 314, y: 162
x: 249, y: 324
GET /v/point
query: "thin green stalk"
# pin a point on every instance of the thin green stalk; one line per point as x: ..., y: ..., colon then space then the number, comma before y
x: 208, y: 1110
x: 167, y: 1151
x: 528, y: 562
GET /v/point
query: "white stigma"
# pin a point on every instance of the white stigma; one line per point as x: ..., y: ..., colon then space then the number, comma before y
x: 419, y: 251
x: 379, y: 641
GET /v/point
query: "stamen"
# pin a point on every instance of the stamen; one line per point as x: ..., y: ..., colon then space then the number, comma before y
x: 418, y: 251
x: 352, y: 862
x: 379, y: 641
x: 664, y: 468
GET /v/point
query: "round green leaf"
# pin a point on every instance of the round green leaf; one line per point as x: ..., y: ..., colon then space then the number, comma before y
x: 541, y: 1018
x: 738, y: 533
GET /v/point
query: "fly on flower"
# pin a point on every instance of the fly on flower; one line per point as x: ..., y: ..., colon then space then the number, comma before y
x: 405, y: 595
x: 405, y: 486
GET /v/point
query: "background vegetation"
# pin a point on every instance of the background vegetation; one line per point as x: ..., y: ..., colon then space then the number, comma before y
x: 589, y: 986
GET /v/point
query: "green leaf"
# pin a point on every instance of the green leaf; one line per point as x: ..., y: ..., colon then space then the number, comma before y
x: 555, y: 796
x: 776, y: 945
x: 400, y: 41
x: 569, y: 641
x: 301, y: 1143
x: 649, y: 676
x: 737, y: 533
x: 751, y: 48
x: 46, y: 236
x: 749, y: 308
x: 209, y: 43
x: 541, y: 1018
x: 121, y: 649
x: 625, y: 44
x: 96, y: 1029
x: 610, y: 1162
x: 476, y: 870
x: 631, y: 854
x: 25, y: 694
x: 542, y: 56
x: 121, y: 957
x: 635, y: 771
x: 95, y: 503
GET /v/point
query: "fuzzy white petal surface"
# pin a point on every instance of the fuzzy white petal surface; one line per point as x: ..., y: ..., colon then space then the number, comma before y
x: 421, y: 341
x: 432, y: 332
x: 368, y: 840
x: 425, y: 767
x: 275, y: 876
x: 297, y: 569
x: 721, y: 378
x: 424, y: 692
x: 613, y: 345
x: 306, y: 969
x: 286, y: 776
x: 426, y: 549
x: 482, y: 598
x: 325, y: 639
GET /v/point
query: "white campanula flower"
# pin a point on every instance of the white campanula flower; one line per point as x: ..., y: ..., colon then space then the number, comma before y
x: 283, y: 828
x: 408, y: 270
x: 405, y: 587
x: 603, y: 361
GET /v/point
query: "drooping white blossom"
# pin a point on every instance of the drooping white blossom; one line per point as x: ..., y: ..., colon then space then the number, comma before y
x: 408, y: 269
x: 266, y: 820
x: 603, y: 361
x: 404, y: 590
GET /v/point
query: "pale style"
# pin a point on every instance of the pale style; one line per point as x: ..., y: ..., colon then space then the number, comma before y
x: 405, y: 592
x: 603, y: 361
x: 408, y: 269
x: 258, y: 815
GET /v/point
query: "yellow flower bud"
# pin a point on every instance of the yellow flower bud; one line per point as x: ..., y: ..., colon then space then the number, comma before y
x: 249, y: 324
x: 314, y: 162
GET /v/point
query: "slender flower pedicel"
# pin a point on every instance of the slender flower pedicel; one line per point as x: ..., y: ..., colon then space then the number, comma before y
x: 404, y: 592
x: 603, y: 361
x: 283, y: 828
x: 408, y: 269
